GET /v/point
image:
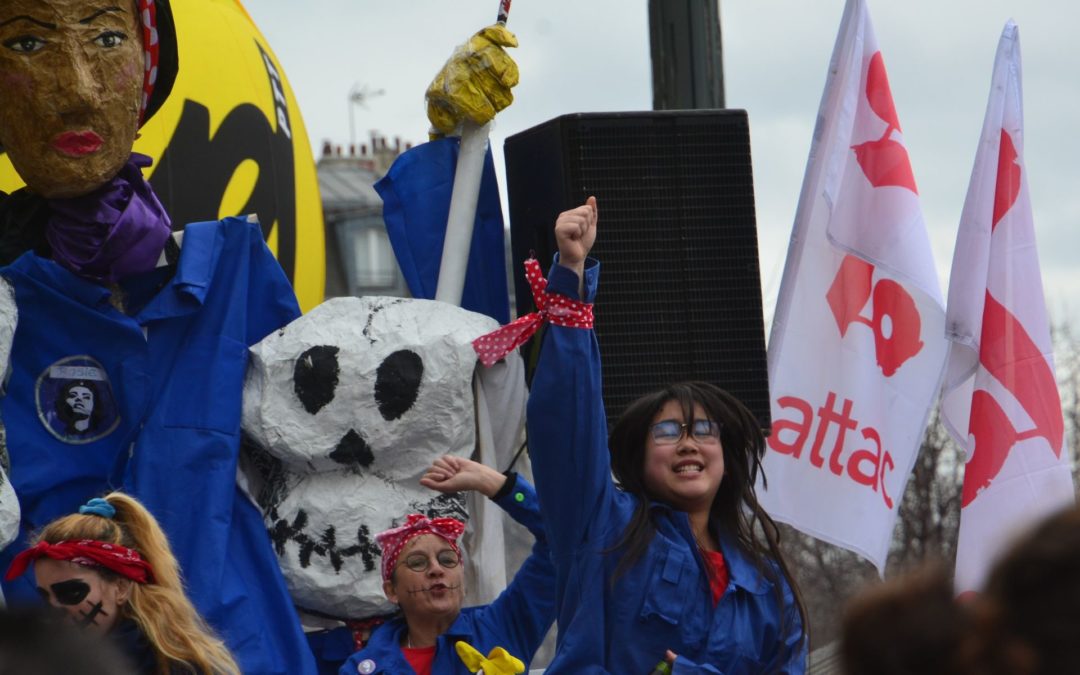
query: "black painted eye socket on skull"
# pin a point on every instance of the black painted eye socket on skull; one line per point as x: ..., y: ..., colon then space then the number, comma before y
x: 315, y: 377
x: 397, y: 383
x: 70, y: 592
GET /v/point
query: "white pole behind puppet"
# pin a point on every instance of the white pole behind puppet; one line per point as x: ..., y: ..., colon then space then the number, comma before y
x: 459, y: 222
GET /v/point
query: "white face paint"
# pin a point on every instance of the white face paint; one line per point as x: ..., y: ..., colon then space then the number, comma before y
x: 350, y: 404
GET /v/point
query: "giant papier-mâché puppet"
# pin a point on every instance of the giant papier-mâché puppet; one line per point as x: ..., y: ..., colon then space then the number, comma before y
x: 130, y: 343
x: 346, y: 408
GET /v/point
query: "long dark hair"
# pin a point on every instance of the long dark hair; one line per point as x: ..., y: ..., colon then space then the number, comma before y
x: 735, y: 508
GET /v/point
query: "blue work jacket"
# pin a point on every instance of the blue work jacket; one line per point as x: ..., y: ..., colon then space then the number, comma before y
x: 517, y: 620
x: 663, y: 601
x: 167, y: 382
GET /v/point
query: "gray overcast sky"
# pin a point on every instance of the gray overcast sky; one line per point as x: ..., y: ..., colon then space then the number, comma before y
x: 593, y: 55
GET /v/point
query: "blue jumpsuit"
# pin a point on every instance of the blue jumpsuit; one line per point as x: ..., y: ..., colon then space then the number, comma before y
x: 167, y: 384
x: 663, y: 601
x: 516, y: 621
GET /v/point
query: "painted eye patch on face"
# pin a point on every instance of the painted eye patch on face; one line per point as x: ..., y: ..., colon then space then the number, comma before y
x: 68, y: 593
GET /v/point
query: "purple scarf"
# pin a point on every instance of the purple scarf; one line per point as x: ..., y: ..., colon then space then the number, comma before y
x: 112, y: 233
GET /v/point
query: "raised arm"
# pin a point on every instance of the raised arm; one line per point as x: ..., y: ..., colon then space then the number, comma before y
x: 526, y: 609
x: 566, y: 421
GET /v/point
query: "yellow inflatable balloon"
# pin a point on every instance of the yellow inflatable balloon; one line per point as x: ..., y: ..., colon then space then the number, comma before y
x: 230, y: 141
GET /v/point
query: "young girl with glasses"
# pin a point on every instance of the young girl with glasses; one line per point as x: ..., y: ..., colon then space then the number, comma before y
x: 673, y: 562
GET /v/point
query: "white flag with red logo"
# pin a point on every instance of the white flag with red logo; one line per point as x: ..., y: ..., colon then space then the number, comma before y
x: 857, y: 345
x: 1000, y: 399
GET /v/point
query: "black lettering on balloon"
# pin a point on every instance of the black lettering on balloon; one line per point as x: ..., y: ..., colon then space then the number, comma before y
x: 315, y: 377
x: 353, y: 450
x: 397, y: 383
x: 195, y: 169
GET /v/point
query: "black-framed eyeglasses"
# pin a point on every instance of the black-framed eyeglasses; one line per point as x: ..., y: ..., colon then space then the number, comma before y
x: 421, y: 562
x: 669, y: 432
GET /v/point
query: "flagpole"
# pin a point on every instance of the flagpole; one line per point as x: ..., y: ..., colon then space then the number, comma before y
x: 459, y: 223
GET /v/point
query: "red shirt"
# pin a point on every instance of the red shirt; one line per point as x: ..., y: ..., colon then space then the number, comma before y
x: 420, y: 658
x: 718, y: 574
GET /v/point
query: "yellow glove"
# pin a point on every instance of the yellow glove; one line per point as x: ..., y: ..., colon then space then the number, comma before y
x: 475, y: 82
x: 498, y: 662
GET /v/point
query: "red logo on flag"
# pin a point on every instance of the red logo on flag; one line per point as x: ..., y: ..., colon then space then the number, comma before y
x: 1009, y: 354
x: 884, y: 161
x: 894, y: 316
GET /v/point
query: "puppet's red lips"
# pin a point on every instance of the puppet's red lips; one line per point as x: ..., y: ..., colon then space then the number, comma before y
x: 77, y: 143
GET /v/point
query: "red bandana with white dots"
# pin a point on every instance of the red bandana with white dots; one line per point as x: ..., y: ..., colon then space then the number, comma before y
x: 392, y: 541
x: 151, y: 49
x: 124, y: 561
x: 552, y: 308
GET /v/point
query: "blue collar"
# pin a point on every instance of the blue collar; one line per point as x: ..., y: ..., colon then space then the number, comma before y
x: 741, y: 570
x: 187, y: 290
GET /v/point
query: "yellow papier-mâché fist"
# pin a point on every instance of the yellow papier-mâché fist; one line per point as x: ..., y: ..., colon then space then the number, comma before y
x: 475, y: 82
x: 498, y: 662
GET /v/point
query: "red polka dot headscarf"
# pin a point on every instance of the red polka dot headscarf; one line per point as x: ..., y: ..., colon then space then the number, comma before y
x: 393, y: 540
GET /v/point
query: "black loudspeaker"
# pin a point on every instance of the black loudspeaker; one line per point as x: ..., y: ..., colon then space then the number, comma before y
x: 680, y: 290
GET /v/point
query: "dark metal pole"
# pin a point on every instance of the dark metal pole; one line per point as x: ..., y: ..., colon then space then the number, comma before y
x: 687, y: 61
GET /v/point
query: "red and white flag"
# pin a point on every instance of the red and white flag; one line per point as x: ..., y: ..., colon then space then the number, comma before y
x: 857, y: 345
x: 1000, y: 398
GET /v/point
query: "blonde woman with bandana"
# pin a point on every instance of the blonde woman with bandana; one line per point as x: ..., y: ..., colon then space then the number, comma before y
x: 110, y: 569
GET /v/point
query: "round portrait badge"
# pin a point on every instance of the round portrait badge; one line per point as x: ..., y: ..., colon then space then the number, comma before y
x: 75, y: 400
x: 366, y: 667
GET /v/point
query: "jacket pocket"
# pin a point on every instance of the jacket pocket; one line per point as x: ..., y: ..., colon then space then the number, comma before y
x: 667, y: 590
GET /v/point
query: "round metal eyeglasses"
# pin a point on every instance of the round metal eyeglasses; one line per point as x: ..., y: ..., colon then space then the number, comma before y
x: 421, y: 562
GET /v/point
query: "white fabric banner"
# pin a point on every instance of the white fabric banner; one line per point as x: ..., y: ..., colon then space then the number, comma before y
x: 1000, y: 399
x: 857, y: 344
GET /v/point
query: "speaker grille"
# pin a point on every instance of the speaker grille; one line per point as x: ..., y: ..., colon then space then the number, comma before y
x: 680, y: 293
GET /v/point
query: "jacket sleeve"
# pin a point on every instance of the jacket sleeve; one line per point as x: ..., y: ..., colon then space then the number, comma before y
x: 526, y: 609
x: 567, y: 425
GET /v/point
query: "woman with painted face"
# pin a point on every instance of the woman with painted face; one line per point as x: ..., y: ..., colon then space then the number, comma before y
x: 423, y: 574
x: 99, y: 284
x: 662, y: 569
x: 110, y: 569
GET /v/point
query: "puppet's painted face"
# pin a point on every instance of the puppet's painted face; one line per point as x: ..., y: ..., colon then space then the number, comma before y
x: 71, y: 75
x: 89, y: 599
